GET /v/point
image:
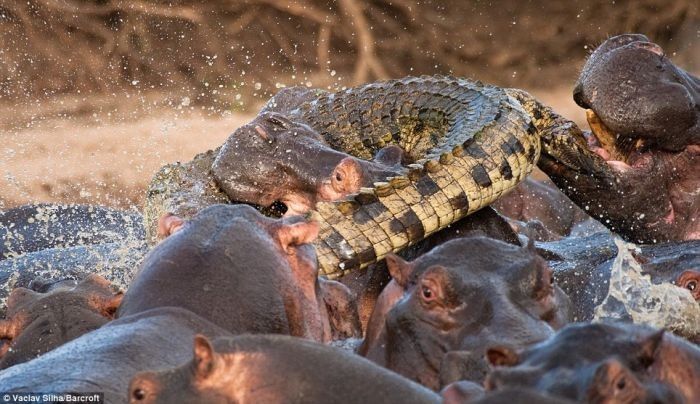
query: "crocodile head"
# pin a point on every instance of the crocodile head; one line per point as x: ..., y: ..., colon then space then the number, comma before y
x: 638, y: 172
x: 273, y: 159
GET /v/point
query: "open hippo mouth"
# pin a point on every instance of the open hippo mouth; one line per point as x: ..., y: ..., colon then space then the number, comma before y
x: 638, y: 170
x: 619, y: 152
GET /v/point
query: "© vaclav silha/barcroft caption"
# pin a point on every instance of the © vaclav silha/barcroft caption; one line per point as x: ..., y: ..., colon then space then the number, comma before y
x: 9, y: 397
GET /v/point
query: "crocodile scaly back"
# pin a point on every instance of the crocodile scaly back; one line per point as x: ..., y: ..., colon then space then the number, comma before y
x: 470, y: 142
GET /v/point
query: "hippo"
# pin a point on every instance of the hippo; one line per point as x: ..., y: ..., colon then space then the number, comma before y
x: 106, y: 359
x: 368, y: 284
x: 245, y: 273
x: 274, y: 369
x: 206, y: 282
x: 273, y: 159
x: 116, y: 262
x: 600, y: 361
x: 54, y: 313
x: 446, y: 307
x: 638, y: 172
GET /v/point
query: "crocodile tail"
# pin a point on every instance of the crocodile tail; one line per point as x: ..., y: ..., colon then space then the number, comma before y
x: 437, y: 190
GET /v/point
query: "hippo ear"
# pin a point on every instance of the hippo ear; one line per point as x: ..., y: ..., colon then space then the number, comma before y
x: 108, y: 305
x: 291, y: 235
x: 399, y: 269
x: 649, y: 347
x: 203, y: 357
x: 169, y: 224
x: 8, y: 329
x: 502, y: 356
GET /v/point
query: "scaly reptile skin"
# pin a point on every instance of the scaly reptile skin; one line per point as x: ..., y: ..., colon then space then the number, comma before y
x: 470, y: 142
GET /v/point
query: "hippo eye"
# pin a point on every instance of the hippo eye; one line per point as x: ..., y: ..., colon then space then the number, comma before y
x: 139, y: 394
x: 338, y: 177
x: 427, y: 293
x: 692, y: 285
x: 621, y: 384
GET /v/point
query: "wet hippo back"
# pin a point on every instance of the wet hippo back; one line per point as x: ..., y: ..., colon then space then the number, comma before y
x: 32, y: 228
x: 106, y: 359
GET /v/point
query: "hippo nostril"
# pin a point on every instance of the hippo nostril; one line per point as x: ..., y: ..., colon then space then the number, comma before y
x: 578, y: 96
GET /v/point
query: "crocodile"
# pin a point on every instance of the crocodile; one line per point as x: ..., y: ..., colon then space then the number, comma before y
x: 468, y: 144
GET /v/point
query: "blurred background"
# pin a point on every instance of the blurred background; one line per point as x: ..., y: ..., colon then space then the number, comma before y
x: 96, y: 95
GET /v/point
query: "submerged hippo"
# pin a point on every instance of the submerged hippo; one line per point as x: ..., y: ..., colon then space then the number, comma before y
x: 640, y: 172
x: 274, y: 369
x: 245, y: 273
x: 368, y: 284
x: 40, y: 320
x: 599, y: 362
x: 464, y: 296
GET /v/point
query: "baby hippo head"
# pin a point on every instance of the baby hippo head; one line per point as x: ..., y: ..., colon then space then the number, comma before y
x: 273, y: 159
x: 464, y: 295
x: 53, y: 313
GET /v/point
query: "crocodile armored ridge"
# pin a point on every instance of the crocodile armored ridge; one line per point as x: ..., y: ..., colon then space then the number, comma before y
x: 468, y: 144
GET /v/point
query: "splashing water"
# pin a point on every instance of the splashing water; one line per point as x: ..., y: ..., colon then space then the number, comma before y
x: 633, y: 296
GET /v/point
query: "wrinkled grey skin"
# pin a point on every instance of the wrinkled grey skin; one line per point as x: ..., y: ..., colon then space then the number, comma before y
x: 582, y: 266
x: 275, y: 369
x: 642, y: 183
x: 464, y: 295
x: 106, y: 359
x: 582, y: 361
